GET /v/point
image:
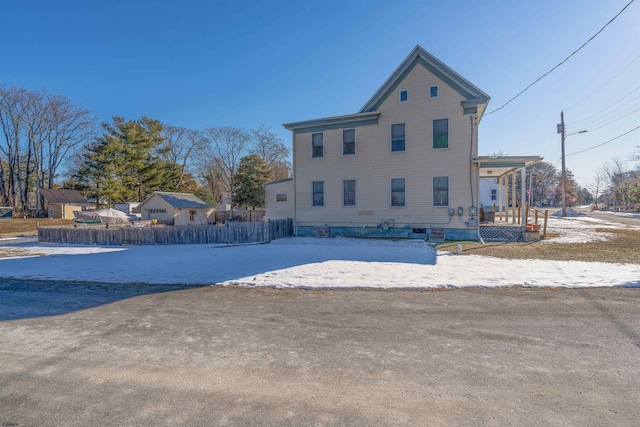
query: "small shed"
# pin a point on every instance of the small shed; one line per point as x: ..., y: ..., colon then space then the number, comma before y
x: 60, y: 203
x: 175, y: 208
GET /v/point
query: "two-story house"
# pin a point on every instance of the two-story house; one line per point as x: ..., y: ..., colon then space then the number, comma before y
x: 399, y: 167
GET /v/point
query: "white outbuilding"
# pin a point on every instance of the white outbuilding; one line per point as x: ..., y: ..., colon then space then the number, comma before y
x: 175, y: 209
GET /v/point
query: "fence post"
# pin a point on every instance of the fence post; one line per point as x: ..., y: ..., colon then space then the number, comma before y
x: 544, y: 234
x: 268, y: 230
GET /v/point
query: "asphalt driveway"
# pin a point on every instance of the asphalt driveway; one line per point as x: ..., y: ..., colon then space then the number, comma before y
x: 237, y: 356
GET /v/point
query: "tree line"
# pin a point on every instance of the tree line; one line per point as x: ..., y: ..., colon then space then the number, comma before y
x: 615, y: 184
x: 48, y: 141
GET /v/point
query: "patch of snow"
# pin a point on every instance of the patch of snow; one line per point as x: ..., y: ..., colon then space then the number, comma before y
x: 570, y: 213
x: 581, y: 229
x: 308, y: 263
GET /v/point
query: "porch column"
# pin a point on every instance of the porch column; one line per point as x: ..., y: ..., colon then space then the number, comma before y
x: 500, y: 184
x: 523, y: 196
x: 513, y: 196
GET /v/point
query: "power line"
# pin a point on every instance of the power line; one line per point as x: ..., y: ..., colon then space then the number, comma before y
x: 608, y: 115
x: 613, y: 121
x: 565, y: 60
x: 603, y: 86
x: 606, y: 142
x: 605, y: 109
x: 613, y: 115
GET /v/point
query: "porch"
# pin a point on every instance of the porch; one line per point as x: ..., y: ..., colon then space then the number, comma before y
x: 507, y: 219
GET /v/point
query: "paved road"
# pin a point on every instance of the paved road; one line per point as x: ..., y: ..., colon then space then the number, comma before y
x: 621, y: 219
x: 237, y: 356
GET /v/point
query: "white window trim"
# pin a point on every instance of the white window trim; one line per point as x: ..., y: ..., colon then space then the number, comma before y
x: 448, y: 192
x: 400, y: 95
x: 355, y: 142
x: 438, y: 88
x: 314, y: 133
x: 391, y: 138
x: 356, y: 203
x: 448, y: 135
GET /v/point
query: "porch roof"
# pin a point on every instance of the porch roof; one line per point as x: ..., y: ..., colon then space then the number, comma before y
x: 497, y: 166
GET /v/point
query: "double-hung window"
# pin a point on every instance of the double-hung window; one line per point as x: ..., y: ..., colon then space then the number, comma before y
x: 349, y: 192
x: 317, y: 145
x: 494, y: 194
x: 440, y: 191
x: 397, y: 192
x: 348, y: 142
x: 397, y: 137
x: 441, y: 133
x: 318, y: 193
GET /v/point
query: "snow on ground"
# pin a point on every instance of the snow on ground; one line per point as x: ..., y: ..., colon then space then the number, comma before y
x: 307, y: 263
x: 581, y: 229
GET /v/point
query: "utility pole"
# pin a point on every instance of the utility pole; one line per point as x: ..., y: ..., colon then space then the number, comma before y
x: 564, y: 171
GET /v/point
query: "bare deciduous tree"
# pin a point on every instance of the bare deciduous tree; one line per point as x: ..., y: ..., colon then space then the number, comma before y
x: 226, y: 146
x: 39, y: 130
x: 270, y: 148
x: 597, y: 185
x: 179, y: 146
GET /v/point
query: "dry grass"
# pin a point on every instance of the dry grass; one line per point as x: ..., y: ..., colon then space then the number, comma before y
x: 622, y: 247
x: 16, y: 252
x: 27, y: 227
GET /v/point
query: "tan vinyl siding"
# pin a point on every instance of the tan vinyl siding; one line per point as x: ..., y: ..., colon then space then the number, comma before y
x: 150, y: 209
x: 274, y: 208
x: 374, y: 165
x: 182, y: 216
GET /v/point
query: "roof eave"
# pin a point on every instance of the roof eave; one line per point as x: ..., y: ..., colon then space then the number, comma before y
x: 458, y: 82
x: 335, y: 120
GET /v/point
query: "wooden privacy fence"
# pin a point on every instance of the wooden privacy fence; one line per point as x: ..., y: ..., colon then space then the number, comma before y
x: 233, y: 232
x: 249, y: 216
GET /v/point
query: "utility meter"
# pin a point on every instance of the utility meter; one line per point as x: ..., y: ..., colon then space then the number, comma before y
x: 460, y: 210
x: 451, y: 212
x: 473, y: 211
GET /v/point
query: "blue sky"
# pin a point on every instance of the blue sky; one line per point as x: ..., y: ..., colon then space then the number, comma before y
x: 246, y: 63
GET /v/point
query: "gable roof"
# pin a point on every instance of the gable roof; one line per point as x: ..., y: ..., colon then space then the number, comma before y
x: 475, y: 99
x: 179, y: 200
x: 63, y: 195
x: 418, y: 55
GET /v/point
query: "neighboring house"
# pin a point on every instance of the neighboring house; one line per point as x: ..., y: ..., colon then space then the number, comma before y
x: 128, y: 207
x: 61, y: 203
x: 279, y: 199
x: 489, y: 195
x: 175, y: 208
x: 396, y: 168
x: 225, y: 204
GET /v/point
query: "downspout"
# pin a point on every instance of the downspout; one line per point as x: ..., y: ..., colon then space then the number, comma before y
x: 293, y: 176
x: 471, y: 180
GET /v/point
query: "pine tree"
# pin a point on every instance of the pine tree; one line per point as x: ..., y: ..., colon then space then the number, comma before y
x: 247, y: 182
x: 125, y: 164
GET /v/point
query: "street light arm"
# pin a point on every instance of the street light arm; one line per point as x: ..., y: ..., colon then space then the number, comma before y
x: 573, y: 133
